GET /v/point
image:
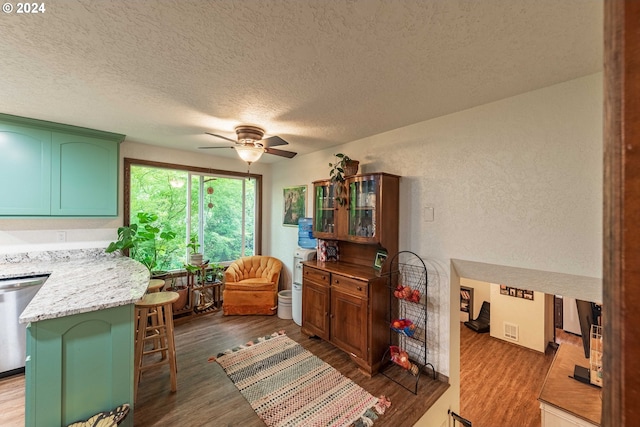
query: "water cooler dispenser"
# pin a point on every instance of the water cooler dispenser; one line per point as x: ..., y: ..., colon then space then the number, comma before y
x: 306, y: 252
x: 300, y: 255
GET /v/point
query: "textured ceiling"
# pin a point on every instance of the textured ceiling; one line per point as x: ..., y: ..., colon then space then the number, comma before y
x: 316, y: 73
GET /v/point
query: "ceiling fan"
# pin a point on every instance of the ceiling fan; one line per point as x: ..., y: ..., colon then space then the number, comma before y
x: 250, y: 145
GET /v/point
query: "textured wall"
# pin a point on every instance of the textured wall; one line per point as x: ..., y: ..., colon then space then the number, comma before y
x: 514, y: 183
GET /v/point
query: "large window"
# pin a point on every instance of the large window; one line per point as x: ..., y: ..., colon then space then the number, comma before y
x: 220, y: 208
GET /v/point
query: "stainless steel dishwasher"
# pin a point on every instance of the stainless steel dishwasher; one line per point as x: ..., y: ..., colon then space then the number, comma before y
x: 15, y: 295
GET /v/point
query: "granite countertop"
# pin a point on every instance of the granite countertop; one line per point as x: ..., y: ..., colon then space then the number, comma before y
x: 80, y: 281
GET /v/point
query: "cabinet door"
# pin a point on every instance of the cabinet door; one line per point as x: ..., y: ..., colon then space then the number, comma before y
x: 324, y: 210
x: 315, y: 309
x: 25, y: 171
x: 363, y: 213
x: 78, y: 366
x: 86, y: 176
x: 349, y: 322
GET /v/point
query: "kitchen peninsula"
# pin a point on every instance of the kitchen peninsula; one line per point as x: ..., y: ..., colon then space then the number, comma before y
x: 80, y: 333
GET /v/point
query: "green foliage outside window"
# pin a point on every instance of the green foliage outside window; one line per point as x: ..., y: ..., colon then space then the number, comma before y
x: 164, y: 193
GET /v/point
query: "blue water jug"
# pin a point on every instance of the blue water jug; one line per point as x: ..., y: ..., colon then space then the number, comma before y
x: 305, y: 233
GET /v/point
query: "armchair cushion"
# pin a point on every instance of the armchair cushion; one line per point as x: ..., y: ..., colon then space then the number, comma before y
x: 251, y: 286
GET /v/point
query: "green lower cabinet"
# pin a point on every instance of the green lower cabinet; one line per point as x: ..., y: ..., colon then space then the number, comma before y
x: 78, y: 366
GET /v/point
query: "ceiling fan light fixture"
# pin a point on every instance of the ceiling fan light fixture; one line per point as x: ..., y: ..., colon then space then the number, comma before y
x: 249, y: 134
x: 249, y: 153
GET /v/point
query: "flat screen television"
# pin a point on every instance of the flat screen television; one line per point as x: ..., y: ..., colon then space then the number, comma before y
x: 588, y: 314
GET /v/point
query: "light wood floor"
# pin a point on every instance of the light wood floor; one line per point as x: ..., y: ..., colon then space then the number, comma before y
x: 500, y: 381
x: 206, y: 397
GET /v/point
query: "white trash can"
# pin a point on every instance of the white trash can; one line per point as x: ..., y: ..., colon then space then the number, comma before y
x: 296, y: 303
x: 284, y: 304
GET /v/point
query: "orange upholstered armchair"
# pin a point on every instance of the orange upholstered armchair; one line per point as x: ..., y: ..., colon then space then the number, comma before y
x: 251, y: 286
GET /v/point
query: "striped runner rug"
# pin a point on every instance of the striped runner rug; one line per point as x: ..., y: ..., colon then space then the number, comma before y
x: 288, y: 386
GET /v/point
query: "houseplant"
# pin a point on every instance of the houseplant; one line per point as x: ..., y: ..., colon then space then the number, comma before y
x: 143, y: 241
x: 195, y: 257
x: 342, y: 168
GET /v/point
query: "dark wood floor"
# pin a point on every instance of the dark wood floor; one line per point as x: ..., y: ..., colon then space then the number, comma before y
x: 207, y: 397
x: 500, y: 381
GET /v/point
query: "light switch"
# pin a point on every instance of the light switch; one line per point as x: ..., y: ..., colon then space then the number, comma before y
x: 428, y: 214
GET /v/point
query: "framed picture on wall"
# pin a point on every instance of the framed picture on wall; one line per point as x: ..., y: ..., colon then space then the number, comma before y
x: 295, y: 204
x: 528, y: 295
x: 504, y: 290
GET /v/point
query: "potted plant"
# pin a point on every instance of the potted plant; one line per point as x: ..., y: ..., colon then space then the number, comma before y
x: 195, y: 257
x: 183, y: 294
x: 343, y: 167
x: 216, y: 272
x: 143, y: 241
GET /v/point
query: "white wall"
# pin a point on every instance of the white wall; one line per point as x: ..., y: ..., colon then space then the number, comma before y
x: 514, y: 183
x: 529, y: 316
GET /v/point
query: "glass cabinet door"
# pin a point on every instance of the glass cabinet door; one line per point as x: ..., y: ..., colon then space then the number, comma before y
x: 324, y: 209
x: 363, y: 192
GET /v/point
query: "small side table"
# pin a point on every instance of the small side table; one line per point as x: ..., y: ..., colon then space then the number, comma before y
x: 197, y: 282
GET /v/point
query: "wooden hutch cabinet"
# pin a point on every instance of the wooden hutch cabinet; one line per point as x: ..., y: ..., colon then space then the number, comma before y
x: 369, y: 215
x: 345, y: 302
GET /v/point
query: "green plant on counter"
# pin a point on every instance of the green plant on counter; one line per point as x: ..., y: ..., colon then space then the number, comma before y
x: 144, y: 241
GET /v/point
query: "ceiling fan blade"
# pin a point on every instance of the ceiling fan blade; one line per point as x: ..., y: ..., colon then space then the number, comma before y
x: 208, y: 148
x: 223, y: 137
x: 273, y: 141
x: 281, y: 153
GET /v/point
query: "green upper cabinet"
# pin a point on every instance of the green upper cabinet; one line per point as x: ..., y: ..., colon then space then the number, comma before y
x: 85, y: 176
x: 25, y: 171
x: 51, y: 169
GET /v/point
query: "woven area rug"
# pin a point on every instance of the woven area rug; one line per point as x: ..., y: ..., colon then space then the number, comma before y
x: 288, y: 386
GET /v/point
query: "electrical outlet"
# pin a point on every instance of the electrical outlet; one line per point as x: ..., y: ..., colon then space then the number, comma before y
x: 61, y: 236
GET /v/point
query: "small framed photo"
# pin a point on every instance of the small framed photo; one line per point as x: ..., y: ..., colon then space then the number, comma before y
x: 381, y: 256
x: 519, y: 293
x: 504, y: 290
x: 295, y: 204
x: 512, y: 292
x: 528, y: 295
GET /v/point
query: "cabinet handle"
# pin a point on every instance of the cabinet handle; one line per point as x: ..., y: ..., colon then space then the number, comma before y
x: 337, y: 282
x: 359, y: 288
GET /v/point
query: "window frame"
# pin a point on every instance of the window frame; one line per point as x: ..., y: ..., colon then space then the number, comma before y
x: 128, y: 162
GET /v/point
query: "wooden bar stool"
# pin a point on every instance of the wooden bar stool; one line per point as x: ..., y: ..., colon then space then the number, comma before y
x: 155, y: 285
x: 160, y: 335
